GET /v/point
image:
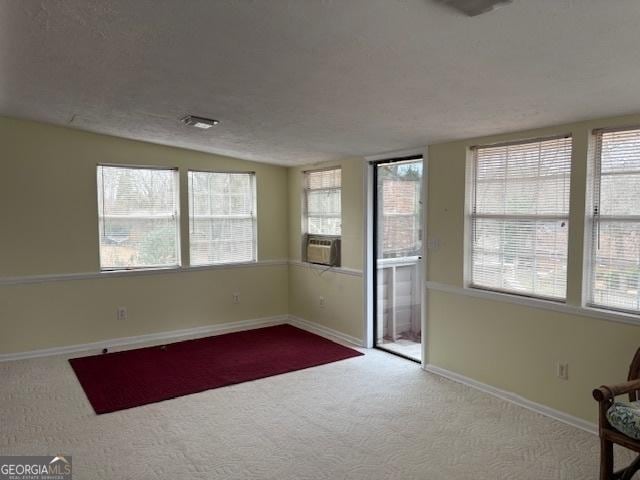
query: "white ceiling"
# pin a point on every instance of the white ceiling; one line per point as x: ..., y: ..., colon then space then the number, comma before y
x: 300, y: 81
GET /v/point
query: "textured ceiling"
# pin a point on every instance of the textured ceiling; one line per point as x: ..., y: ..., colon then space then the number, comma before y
x: 299, y: 81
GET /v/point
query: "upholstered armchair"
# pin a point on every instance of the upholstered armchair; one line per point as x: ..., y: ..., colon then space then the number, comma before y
x: 619, y: 422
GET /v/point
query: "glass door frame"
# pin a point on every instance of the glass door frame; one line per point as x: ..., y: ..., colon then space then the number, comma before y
x: 373, y: 252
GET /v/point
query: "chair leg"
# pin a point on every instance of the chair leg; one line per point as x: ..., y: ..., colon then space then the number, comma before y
x: 629, y: 472
x: 606, y: 459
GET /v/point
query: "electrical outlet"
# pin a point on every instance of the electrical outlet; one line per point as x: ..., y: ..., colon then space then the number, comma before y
x: 321, y: 301
x: 562, y: 371
x: 122, y: 314
x: 236, y: 297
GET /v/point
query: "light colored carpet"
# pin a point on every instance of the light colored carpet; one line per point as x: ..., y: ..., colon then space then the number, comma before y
x: 371, y: 417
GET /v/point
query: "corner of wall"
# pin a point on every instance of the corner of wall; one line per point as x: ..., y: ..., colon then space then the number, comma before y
x: 341, y: 289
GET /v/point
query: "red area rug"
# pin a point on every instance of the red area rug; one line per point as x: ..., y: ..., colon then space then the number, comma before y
x: 120, y: 380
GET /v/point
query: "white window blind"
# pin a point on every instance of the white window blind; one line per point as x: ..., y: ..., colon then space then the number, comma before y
x: 615, y: 216
x: 222, y: 218
x: 138, y: 217
x: 322, y: 195
x: 520, y: 217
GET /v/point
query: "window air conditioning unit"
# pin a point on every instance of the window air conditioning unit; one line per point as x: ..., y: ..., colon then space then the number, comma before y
x: 323, y: 250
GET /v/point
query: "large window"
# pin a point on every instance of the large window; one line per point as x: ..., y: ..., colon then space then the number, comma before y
x: 520, y: 217
x: 222, y: 217
x: 138, y: 217
x: 322, y: 192
x: 615, y: 217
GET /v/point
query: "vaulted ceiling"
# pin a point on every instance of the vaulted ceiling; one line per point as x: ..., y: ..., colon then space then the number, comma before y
x: 299, y: 81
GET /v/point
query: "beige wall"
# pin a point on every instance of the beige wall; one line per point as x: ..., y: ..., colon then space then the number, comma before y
x: 515, y: 347
x: 343, y: 293
x: 54, y: 314
x: 48, y: 208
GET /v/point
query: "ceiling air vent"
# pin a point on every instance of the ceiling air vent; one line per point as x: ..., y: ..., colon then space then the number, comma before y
x: 472, y: 8
x: 199, y: 122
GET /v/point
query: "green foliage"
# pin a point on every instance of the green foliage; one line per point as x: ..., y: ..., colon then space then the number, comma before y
x: 158, y: 247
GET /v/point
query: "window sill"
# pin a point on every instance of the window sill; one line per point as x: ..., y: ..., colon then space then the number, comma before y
x: 613, y: 315
x: 555, y: 306
x: 109, y: 271
x: 178, y: 268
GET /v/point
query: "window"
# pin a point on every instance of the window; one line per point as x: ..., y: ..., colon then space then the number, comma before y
x: 520, y: 217
x: 615, y: 218
x: 399, y: 208
x: 322, y: 192
x: 222, y: 217
x: 138, y: 217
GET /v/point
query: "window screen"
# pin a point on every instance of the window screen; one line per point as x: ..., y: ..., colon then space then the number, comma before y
x: 222, y: 217
x: 322, y: 195
x: 138, y: 217
x: 615, y: 215
x: 520, y: 217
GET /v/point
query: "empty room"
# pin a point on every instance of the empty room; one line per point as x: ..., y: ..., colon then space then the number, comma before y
x: 320, y: 239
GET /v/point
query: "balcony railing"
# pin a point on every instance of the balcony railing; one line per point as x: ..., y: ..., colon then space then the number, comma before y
x: 399, y: 298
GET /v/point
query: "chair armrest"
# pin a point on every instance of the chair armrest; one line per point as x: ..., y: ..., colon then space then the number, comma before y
x: 607, y: 393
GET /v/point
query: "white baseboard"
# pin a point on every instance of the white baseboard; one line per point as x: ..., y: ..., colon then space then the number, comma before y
x: 516, y: 399
x: 195, y: 332
x: 323, y: 331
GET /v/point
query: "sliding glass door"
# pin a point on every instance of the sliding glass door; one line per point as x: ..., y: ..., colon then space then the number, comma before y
x: 398, y: 256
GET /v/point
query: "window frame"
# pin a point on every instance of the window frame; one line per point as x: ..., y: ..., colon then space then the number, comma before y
x: 470, y: 189
x: 305, y: 202
x: 253, y: 216
x: 101, y: 216
x: 593, y: 219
